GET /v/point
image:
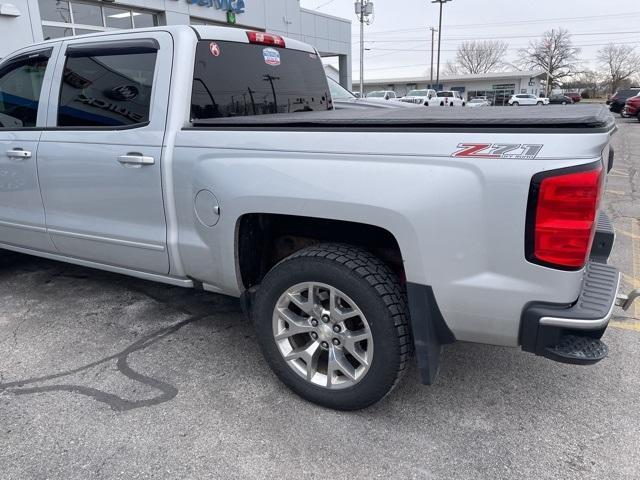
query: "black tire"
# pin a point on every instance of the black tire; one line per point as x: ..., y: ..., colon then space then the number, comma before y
x: 539, y: 104
x: 515, y: 104
x: 442, y: 104
x: 379, y: 295
x: 639, y: 116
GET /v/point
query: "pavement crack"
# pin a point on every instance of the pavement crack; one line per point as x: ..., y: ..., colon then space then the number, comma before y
x: 167, y: 391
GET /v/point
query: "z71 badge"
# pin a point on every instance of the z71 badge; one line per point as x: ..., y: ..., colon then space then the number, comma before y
x: 497, y: 150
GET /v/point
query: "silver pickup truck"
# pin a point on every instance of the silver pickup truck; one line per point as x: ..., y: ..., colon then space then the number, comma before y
x: 212, y: 158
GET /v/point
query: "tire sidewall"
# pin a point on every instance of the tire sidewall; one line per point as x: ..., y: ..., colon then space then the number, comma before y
x: 383, y: 371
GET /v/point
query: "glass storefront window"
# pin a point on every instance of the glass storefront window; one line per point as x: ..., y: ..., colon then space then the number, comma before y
x: 55, y: 11
x: 61, y: 18
x: 49, y: 33
x: 117, y: 17
x: 87, y: 14
x: 143, y: 20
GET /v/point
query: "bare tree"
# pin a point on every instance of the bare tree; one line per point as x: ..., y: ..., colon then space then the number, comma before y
x: 554, y: 53
x: 479, y: 57
x: 621, y: 62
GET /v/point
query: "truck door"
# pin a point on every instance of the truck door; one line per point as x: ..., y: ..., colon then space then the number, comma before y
x: 99, y: 167
x: 22, y: 110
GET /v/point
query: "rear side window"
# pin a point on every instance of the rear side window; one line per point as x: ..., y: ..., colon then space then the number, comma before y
x: 20, y: 86
x: 106, y: 88
x: 233, y: 79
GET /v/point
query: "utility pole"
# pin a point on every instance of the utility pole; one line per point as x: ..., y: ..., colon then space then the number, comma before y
x: 433, y: 31
x: 364, y: 12
x: 441, y: 2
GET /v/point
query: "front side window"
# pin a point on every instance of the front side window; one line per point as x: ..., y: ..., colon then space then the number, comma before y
x: 234, y: 79
x: 20, y: 88
x: 106, y: 89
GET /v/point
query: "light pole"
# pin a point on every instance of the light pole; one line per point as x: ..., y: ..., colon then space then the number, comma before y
x: 439, y: 37
x: 364, y: 12
x: 433, y: 31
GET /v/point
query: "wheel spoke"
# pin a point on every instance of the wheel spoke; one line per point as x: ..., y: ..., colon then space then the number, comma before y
x: 305, y: 305
x: 297, y: 324
x: 306, y: 353
x: 339, y: 363
x: 351, y: 342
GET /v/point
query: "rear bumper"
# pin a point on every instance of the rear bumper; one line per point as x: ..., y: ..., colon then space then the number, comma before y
x: 543, y: 325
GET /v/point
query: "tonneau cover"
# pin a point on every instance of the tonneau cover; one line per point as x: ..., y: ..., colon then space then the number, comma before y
x: 558, y: 118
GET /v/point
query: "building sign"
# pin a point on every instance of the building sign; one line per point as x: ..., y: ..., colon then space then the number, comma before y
x: 231, y: 6
x: 507, y: 86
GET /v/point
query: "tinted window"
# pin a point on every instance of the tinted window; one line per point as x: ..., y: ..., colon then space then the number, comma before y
x: 418, y: 93
x: 20, y: 86
x: 238, y: 79
x: 106, y: 90
x: 445, y: 94
x: 338, y: 91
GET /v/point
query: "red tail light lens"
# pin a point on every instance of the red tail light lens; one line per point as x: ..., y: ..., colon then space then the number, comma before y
x: 265, y: 39
x: 566, y: 206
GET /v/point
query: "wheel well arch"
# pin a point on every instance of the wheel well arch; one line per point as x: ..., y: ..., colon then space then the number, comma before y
x: 263, y: 239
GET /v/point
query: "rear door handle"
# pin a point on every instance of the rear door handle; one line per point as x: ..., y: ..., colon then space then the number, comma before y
x: 19, y: 154
x: 136, y: 159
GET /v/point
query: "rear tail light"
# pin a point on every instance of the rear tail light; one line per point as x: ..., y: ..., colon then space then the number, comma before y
x: 266, y: 39
x: 561, y: 217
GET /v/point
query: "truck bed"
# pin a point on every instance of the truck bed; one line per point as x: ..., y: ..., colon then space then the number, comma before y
x: 548, y: 119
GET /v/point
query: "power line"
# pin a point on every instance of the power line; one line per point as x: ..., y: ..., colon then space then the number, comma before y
x: 495, y: 37
x: 515, y: 22
x: 324, y: 4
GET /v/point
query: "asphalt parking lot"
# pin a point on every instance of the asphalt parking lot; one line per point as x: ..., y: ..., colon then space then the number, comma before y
x: 107, y: 377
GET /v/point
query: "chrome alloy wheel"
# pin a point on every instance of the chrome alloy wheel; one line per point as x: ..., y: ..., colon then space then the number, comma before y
x: 322, y: 335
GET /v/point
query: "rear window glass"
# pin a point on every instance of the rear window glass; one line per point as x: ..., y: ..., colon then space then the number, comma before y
x: 445, y: 94
x: 233, y: 79
x: 627, y: 93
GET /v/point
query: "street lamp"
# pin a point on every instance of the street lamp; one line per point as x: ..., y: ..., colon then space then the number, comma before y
x: 364, y: 11
x: 439, y: 37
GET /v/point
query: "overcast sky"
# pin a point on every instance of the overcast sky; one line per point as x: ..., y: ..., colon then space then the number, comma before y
x: 400, y: 42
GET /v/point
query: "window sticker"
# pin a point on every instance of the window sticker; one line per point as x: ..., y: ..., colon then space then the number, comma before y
x: 271, y: 56
x: 214, y: 48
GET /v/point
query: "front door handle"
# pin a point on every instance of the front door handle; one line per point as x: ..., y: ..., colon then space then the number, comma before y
x: 136, y: 159
x: 19, y: 154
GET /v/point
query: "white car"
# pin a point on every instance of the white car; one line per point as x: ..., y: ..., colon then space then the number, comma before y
x: 386, y: 94
x: 478, y: 102
x: 527, y: 99
x: 447, y: 98
x: 419, y: 97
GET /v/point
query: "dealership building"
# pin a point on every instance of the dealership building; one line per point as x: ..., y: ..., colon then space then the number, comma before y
x: 498, y: 86
x: 23, y: 22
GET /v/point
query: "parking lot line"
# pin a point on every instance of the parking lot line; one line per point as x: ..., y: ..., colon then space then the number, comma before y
x: 633, y: 323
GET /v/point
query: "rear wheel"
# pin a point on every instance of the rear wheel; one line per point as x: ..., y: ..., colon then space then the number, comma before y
x: 442, y: 104
x: 516, y: 104
x: 332, y: 323
x: 564, y: 103
x: 539, y: 104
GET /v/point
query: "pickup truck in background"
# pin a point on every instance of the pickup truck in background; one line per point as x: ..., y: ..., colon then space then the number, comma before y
x: 450, y: 98
x: 212, y: 158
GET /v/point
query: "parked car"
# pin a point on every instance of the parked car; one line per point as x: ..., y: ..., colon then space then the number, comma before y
x: 617, y: 101
x: 386, y: 94
x: 489, y: 100
x: 477, y: 102
x: 419, y: 97
x: 447, y: 98
x: 526, y: 99
x: 576, y: 97
x: 632, y: 107
x: 343, y: 99
x: 349, y: 239
x: 560, y: 99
